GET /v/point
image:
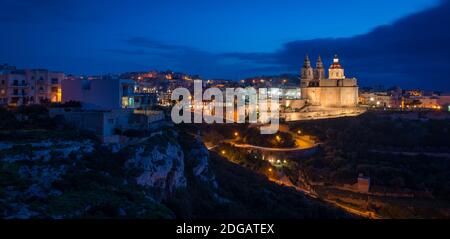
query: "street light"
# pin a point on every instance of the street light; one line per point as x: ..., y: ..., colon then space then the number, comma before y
x: 299, y: 132
x: 236, y: 134
x: 278, y: 138
x: 223, y: 152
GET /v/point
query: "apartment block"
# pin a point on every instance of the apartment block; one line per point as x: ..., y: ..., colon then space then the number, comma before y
x: 24, y: 87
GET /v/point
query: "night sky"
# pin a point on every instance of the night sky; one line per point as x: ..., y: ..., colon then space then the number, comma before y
x: 383, y: 42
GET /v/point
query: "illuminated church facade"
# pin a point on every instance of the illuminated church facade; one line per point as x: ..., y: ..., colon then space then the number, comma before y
x: 334, y: 91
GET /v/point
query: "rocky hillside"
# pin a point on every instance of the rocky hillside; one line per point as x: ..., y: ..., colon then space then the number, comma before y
x: 50, y: 171
x: 58, y: 178
x: 69, y: 179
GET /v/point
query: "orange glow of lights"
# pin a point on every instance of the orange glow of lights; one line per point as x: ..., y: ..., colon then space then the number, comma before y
x: 278, y: 138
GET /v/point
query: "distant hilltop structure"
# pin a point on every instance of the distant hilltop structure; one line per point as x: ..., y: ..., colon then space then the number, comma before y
x: 334, y: 91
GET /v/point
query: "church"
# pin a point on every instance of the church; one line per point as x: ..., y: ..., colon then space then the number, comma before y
x: 334, y: 91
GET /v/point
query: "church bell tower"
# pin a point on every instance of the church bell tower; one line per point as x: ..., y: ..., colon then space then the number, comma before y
x: 307, y: 73
x: 319, y: 72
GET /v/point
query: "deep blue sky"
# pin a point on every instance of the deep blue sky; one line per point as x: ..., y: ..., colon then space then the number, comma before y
x: 232, y: 39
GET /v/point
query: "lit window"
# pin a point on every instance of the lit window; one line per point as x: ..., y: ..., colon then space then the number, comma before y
x: 131, y: 102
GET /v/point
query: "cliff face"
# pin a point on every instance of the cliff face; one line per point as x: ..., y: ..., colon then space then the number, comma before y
x: 198, y: 159
x: 161, y: 167
x: 162, y: 163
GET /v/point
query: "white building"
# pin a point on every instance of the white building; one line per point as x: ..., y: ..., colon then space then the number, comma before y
x: 105, y: 124
x: 105, y: 94
x: 108, y: 105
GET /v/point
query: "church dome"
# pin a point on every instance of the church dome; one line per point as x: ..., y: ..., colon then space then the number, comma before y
x: 336, y: 64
